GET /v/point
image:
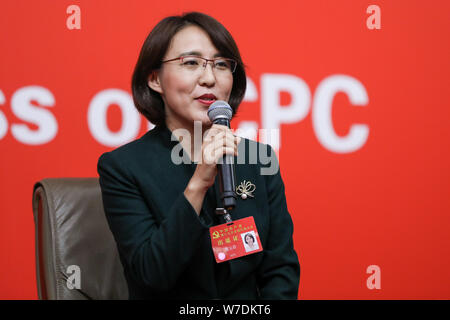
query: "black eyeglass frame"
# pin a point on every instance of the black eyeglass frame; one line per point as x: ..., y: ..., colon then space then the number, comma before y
x: 233, y: 62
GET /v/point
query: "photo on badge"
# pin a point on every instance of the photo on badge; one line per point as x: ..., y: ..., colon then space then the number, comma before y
x: 249, y: 241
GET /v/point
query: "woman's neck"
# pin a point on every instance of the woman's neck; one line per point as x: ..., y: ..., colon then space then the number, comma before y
x: 190, y: 136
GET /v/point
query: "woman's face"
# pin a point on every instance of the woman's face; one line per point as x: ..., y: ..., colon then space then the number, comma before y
x: 249, y: 240
x: 187, y: 95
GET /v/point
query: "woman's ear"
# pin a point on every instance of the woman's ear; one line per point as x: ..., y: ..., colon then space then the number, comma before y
x: 153, y: 82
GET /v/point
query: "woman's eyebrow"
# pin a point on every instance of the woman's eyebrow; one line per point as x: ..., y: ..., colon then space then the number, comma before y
x: 190, y: 53
x: 197, y: 53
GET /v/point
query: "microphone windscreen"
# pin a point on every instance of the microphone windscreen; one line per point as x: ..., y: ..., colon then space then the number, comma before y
x: 220, y: 109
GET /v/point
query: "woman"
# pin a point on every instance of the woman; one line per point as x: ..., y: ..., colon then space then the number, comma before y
x: 250, y: 244
x: 160, y: 212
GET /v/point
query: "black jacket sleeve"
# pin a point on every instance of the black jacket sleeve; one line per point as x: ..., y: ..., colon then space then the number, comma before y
x: 154, y: 252
x: 279, y: 273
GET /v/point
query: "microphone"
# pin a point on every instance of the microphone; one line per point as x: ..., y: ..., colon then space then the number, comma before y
x: 220, y: 112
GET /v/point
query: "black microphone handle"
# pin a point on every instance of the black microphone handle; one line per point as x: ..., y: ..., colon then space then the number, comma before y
x: 227, y: 178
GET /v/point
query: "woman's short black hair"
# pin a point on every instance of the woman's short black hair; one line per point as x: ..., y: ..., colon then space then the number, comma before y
x: 149, y: 102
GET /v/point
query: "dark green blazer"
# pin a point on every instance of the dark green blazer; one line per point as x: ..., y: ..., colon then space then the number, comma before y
x: 165, y: 247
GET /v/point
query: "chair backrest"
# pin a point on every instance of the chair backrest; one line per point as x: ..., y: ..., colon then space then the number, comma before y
x: 76, y: 255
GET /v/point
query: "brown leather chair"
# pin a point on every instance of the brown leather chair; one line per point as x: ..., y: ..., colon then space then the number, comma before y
x: 72, y: 232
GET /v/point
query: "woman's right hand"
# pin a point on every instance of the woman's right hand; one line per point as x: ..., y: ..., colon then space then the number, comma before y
x: 218, y: 141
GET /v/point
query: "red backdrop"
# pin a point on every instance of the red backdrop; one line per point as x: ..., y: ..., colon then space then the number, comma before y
x: 377, y: 195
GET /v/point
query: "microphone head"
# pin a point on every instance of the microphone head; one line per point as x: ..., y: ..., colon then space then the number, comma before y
x: 220, y: 109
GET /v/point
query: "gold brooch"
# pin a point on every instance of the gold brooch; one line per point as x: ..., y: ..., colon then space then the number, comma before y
x: 245, y: 189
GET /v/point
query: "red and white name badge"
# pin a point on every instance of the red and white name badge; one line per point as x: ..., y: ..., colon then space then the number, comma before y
x: 235, y: 239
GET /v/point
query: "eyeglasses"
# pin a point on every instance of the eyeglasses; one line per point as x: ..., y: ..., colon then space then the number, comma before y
x: 194, y: 63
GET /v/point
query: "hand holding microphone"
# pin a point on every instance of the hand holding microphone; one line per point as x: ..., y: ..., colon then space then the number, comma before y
x: 218, y: 148
x: 220, y: 113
